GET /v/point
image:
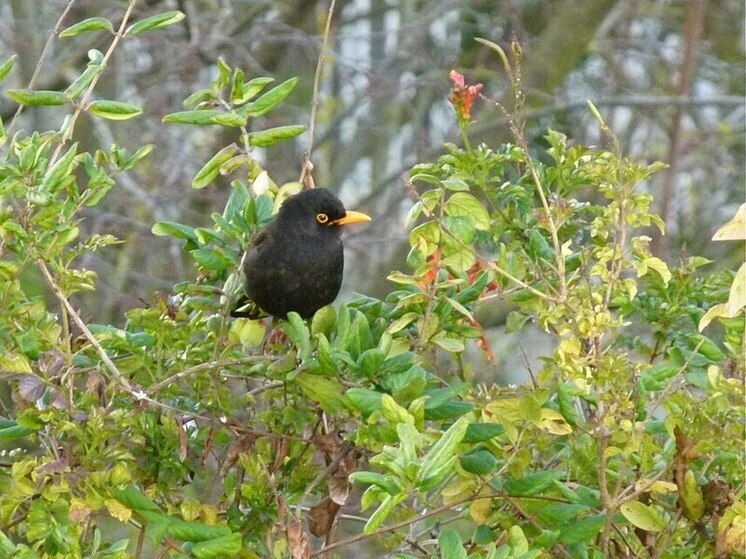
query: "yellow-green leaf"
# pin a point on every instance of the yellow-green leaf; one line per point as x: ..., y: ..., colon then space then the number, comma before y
x: 156, y: 22
x: 643, y: 516
x: 735, y: 229
x: 37, y: 98
x: 466, y: 205
x: 7, y: 67
x: 210, y: 171
x: 201, y: 118
x: 90, y: 24
x: 737, y: 298
x: 114, y: 110
x: 272, y: 136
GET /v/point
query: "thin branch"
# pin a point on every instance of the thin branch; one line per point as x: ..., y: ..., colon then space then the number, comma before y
x: 307, y: 167
x: 207, y: 367
x: 89, y: 91
x: 692, y: 35
x: 42, y: 58
x: 108, y: 363
x: 434, y: 512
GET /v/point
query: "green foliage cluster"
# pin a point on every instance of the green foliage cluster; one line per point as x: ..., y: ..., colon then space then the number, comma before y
x: 184, y: 434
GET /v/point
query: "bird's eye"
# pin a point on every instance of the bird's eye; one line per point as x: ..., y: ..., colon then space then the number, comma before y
x: 322, y: 218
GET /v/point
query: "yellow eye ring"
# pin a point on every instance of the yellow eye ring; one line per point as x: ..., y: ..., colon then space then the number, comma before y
x: 322, y: 218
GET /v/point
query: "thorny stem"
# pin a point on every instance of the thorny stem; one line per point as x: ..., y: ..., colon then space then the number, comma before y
x: 89, y: 91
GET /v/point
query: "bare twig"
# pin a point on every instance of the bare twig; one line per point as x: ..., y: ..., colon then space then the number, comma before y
x: 692, y: 35
x: 307, y: 166
x: 42, y: 58
x: 89, y: 91
x: 105, y: 359
x: 213, y: 365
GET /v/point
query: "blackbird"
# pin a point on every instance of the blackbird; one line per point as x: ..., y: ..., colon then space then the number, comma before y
x: 296, y: 262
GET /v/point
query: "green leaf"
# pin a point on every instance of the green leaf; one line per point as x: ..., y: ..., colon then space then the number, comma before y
x: 654, y: 263
x: 229, y: 120
x: 37, y: 98
x: 583, y: 530
x: 299, y: 334
x: 114, y: 110
x: 515, y: 321
x: 210, y: 171
x: 6, y: 546
x: 451, y: 546
x: 82, y: 81
x: 480, y: 462
x: 379, y: 515
x: 173, y: 229
x: 253, y: 87
x: 451, y: 345
x: 532, y: 484
x: 134, y: 499
x: 443, y: 450
x: 456, y: 184
x: 14, y: 431
x: 691, y: 498
x: 272, y: 136
x: 643, y: 516
x: 57, y: 173
x: 226, y: 547
x: 269, y: 100
x: 466, y: 205
x: 402, y: 322
x: 7, y: 67
x: 367, y: 401
x: 155, y: 22
x: 323, y: 321
x: 327, y: 392
x: 481, y: 432
x: 386, y: 483
x: 90, y: 24
x: 28, y: 343
x: 393, y: 412
x: 195, y: 531
x: 201, y: 118
x: 212, y: 259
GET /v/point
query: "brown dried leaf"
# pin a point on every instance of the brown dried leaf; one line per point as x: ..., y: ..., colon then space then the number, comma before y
x: 208, y: 447
x: 321, y: 517
x: 339, y: 486
x: 328, y: 443
x: 718, y: 496
x: 95, y: 384
x: 282, y: 447
x: 241, y: 445
x: 300, y: 547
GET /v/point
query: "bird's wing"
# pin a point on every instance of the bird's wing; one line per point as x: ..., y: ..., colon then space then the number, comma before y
x: 245, y: 307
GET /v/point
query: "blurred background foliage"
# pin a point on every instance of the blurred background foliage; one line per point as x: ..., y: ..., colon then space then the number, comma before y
x: 668, y: 76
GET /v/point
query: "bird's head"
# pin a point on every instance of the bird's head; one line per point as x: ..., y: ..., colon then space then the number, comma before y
x: 318, y: 210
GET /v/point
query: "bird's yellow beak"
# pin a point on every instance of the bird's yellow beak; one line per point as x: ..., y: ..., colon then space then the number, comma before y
x: 352, y: 217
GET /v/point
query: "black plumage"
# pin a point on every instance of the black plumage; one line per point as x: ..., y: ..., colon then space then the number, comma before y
x: 296, y: 262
